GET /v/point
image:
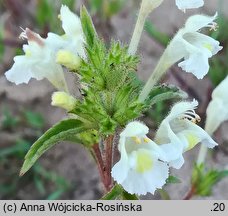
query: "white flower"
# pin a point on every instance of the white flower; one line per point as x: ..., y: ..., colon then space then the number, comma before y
x: 43, y: 56
x: 73, y: 39
x: 38, y: 62
x: 217, y: 110
x: 196, y: 48
x: 140, y: 169
x: 188, y: 4
x: 178, y: 133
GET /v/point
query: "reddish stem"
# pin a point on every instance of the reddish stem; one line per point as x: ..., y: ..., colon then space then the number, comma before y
x: 190, y: 194
x: 105, y: 164
x: 100, y: 163
x: 108, y: 160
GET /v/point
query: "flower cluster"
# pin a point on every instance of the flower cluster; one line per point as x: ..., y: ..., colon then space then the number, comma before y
x: 144, y: 164
x: 178, y: 132
x: 44, y: 57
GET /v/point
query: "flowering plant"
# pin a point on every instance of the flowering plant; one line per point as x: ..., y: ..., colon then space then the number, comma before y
x: 106, y: 116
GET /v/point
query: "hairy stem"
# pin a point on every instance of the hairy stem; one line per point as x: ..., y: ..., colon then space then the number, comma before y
x: 138, y: 30
x: 108, y: 161
x: 190, y: 194
x: 159, y: 71
x: 147, y: 6
x: 104, y: 161
x: 98, y: 157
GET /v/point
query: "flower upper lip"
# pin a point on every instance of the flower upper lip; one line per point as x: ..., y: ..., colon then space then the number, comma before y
x: 179, y: 132
x: 32, y: 36
x: 188, y: 4
x: 39, y: 60
x: 140, y: 161
x: 195, y: 47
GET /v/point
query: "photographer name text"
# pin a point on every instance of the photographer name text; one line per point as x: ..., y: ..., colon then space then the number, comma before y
x: 73, y: 207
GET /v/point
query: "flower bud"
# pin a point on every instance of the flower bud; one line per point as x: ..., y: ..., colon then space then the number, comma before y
x: 68, y: 59
x: 63, y: 100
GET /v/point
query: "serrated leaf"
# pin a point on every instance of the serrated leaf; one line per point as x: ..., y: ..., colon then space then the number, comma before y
x: 88, y: 27
x: 88, y: 138
x: 203, y: 181
x: 108, y: 126
x: 164, y: 92
x: 62, y: 131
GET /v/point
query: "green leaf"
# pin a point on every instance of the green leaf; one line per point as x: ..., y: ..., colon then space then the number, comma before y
x: 115, y: 192
x: 159, y: 112
x: 62, y: 131
x: 203, y: 181
x: 173, y: 180
x: 44, y: 12
x: 118, y: 192
x: 164, y: 92
x: 108, y: 126
x: 88, y: 138
x: 88, y: 27
x: 128, y: 196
